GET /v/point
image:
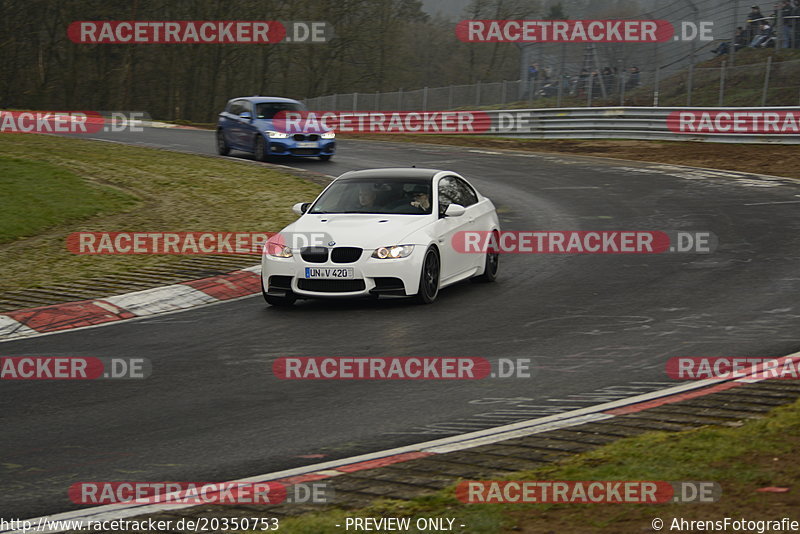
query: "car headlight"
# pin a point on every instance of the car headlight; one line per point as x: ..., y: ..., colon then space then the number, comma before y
x: 278, y: 250
x: 276, y: 135
x: 395, y: 251
x: 328, y: 135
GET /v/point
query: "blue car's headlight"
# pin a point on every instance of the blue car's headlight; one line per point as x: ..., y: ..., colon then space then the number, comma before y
x: 395, y: 251
x: 276, y: 135
x: 328, y: 135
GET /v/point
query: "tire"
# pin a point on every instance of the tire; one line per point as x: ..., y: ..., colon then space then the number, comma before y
x: 222, y: 145
x: 429, y: 277
x: 326, y: 157
x: 283, y: 302
x: 491, y: 264
x: 260, y: 149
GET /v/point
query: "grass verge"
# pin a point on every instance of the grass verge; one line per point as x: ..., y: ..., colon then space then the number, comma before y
x: 35, y: 196
x: 758, y: 454
x: 98, y: 186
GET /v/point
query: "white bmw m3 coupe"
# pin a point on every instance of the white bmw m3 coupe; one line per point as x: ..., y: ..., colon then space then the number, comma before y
x: 380, y: 232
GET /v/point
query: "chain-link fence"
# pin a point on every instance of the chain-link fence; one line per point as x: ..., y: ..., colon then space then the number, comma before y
x: 765, y: 83
x: 639, y: 74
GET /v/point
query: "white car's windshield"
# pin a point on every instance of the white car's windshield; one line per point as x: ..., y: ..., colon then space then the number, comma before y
x: 409, y: 197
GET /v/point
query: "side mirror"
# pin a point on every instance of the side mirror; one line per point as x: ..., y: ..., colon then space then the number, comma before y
x: 455, y: 210
x: 301, y: 207
x: 245, y: 115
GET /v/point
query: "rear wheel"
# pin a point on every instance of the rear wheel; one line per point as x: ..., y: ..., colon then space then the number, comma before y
x: 429, y: 280
x: 222, y: 145
x: 260, y: 150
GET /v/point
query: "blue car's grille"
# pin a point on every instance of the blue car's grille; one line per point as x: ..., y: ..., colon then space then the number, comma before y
x: 304, y: 137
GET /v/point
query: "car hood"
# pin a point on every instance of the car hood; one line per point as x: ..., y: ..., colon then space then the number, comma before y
x: 280, y: 126
x: 365, y: 230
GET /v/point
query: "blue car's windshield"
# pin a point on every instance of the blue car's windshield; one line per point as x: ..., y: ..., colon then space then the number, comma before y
x: 267, y: 110
x: 408, y: 197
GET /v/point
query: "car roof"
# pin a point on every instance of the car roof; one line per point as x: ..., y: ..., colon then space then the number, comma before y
x: 261, y: 99
x: 396, y: 173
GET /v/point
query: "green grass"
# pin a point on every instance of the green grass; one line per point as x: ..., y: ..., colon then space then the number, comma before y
x: 35, y: 196
x: 114, y: 187
x: 758, y: 453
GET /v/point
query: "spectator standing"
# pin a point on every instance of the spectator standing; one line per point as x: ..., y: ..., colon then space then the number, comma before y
x: 633, y: 79
x: 754, y: 22
x: 583, y: 79
x: 782, y: 13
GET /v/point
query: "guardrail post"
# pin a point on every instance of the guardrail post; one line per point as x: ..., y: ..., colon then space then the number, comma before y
x: 355, y: 101
x: 400, y: 99
x: 478, y: 93
x: 377, y: 100
x: 766, y: 81
x: 450, y: 98
x: 689, y: 83
x: 503, y: 95
x: 733, y: 39
x: 424, y: 99
x: 722, y: 85
x: 561, y: 74
x: 655, y: 87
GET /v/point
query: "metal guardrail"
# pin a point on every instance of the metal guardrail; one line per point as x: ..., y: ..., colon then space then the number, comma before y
x: 630, y: 123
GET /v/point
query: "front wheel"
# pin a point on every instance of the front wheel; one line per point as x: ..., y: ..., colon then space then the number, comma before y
x: 260, y: 151
x: 222, y: 145
x: 429, y: 280
x: 285, y: 301
x: 491, y: 264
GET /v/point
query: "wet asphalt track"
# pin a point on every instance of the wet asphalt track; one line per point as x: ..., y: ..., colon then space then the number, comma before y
x: 597, y: 327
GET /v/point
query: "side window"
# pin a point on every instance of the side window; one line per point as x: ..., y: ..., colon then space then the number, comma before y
x: 467, y: 194
x: 448, y: 193
x: 238, y: 107
x: 244, y: 105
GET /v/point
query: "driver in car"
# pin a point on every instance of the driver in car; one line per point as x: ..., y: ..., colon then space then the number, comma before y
x: 366, y: 197
x: 422, y: 199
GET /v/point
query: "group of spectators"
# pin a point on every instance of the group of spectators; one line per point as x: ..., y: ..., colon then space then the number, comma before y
x: 609, y: 78
x: 761, y: 31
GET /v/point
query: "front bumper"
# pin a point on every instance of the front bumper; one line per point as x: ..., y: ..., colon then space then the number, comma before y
x: 371, y: 276
x: 290, y: 147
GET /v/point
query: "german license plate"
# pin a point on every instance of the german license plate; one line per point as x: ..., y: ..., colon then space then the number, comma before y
x: 329, y: 272
x: 308, y: 144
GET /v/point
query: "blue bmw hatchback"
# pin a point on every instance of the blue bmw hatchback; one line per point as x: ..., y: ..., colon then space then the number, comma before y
x: 247, y: 125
